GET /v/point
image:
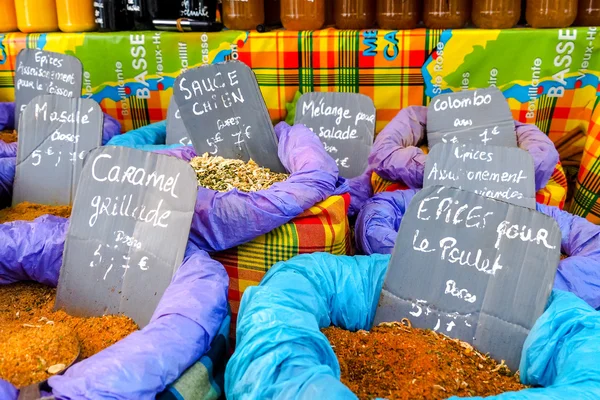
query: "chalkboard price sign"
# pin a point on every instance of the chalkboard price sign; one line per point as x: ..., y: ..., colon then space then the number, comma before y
x: 503, y: 173
x: 473, y: 268
x: 55, y: 134
x: 176, y: 132
x: 345, y: 123
x: 480, y: 116
x: 44, y: 72
x: 224, y: 113
x: 128, y: 233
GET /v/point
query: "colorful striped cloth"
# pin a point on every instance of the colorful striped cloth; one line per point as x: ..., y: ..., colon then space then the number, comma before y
x: 586, y: 201
x: 322, y: 228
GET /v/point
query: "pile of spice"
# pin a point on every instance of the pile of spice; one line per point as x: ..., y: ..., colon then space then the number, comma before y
x: 8, y: 136
x: 395, y: 361
x: 28, y: 212
x: 37, y: 342
x: 223, y: 174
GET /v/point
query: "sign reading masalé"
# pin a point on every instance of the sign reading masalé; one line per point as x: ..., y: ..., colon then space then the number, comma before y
x: 128, y: 233
x: 480, y: 115
x: 344, y: 122
x: 55, y: 134
x: 473, y: 268
x: 176, y: 132
x: 224, y: 113
x: 44, y: 72
x: 503, y: 173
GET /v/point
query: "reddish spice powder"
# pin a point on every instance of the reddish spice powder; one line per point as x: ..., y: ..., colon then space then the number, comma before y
x: 8, y: 136
x: 33, y: 337
x: 395, y: 361
x: 28, y: 212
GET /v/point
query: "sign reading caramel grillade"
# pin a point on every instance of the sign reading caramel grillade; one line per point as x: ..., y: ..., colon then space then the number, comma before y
x: 223, y: 111
x: 473, y: 268
x: 345, y: 124
x: 503, y: 173
x: 55, y: 134
x: 44, y: 72
x: 480, y: 115
x: 128, y: 233
x: 176, y: 132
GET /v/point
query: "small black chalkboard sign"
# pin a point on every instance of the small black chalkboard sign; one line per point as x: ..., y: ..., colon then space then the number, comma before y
x: 55, y: 134
x: 480, y: 115
x: 45, y: 72
x: 128, y: 233
x: 503, y: 173
x: 225, y: 114
x: 176, y: 132
x: 473, y: 268
x: 345, y: 123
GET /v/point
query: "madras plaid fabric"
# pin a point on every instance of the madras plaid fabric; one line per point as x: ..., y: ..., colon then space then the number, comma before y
x: 554, y: 194
x: 586, y: 201
x: 322, y: 228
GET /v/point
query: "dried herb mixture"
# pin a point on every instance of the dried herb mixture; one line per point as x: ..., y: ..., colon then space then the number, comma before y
x: 29, y: 211
x: 37, y: 342
x: 395, y: 361
x: 223, y: 174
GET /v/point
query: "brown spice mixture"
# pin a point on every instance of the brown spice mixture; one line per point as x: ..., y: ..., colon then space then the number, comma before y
x: 395, y: 361
x: 28, y: 212
x: 8, y: 136
x: 34, y: 338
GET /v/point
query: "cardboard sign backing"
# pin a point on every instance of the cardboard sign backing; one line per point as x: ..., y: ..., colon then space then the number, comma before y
x: 482, y: 116
x: 128, y: 233
x: 344, y: 122
x: 503, y: 173
x: 55, y: 134
x: 473, y: 268
x: 223, y: 111
x: 45, y: 72
x: 176, y: 132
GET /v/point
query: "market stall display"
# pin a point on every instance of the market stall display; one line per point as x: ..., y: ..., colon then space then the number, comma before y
x: 290, y: 356
x: 378, y: 223
x: 398, y: 162
x: 302, y: 15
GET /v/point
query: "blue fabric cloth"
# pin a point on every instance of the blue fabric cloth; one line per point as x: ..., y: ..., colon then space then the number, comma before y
x: 378, y: 223
x: 216, y: 223
x: 140, y: 366
x: 282, y: 354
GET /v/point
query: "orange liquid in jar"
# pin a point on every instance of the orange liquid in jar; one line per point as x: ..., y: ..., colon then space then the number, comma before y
x: 589, y: 13
x: 243, y: 15
x: 397, y: 14
x: 8, y: 21
x: 551, y: 13
x: 75, y: 15
x: 303, y: 15
x: 496, y: 14
x: 36, y: 15
x: 446, y: 14
x: 354, y: 14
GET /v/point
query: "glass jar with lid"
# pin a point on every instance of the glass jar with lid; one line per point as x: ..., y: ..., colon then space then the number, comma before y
x: 243, y: 15
x: 446, y: 14
x: 496, y: 14
x: 551, y: 13
x: 397, y: 14
x: 303, y: 15
x: 8, y: 22
x: 36, y: 15
x: 354, y: 14
x: 588, y: 13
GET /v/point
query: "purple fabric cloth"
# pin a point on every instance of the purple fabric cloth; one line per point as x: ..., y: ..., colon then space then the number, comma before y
x: 7, y: 116
x: 225, y: 220
x: 395, y: 155
x: 378, y: 223
x: 140, y: 366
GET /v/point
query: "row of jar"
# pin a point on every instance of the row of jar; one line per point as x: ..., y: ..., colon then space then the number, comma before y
x: 296, y: 15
